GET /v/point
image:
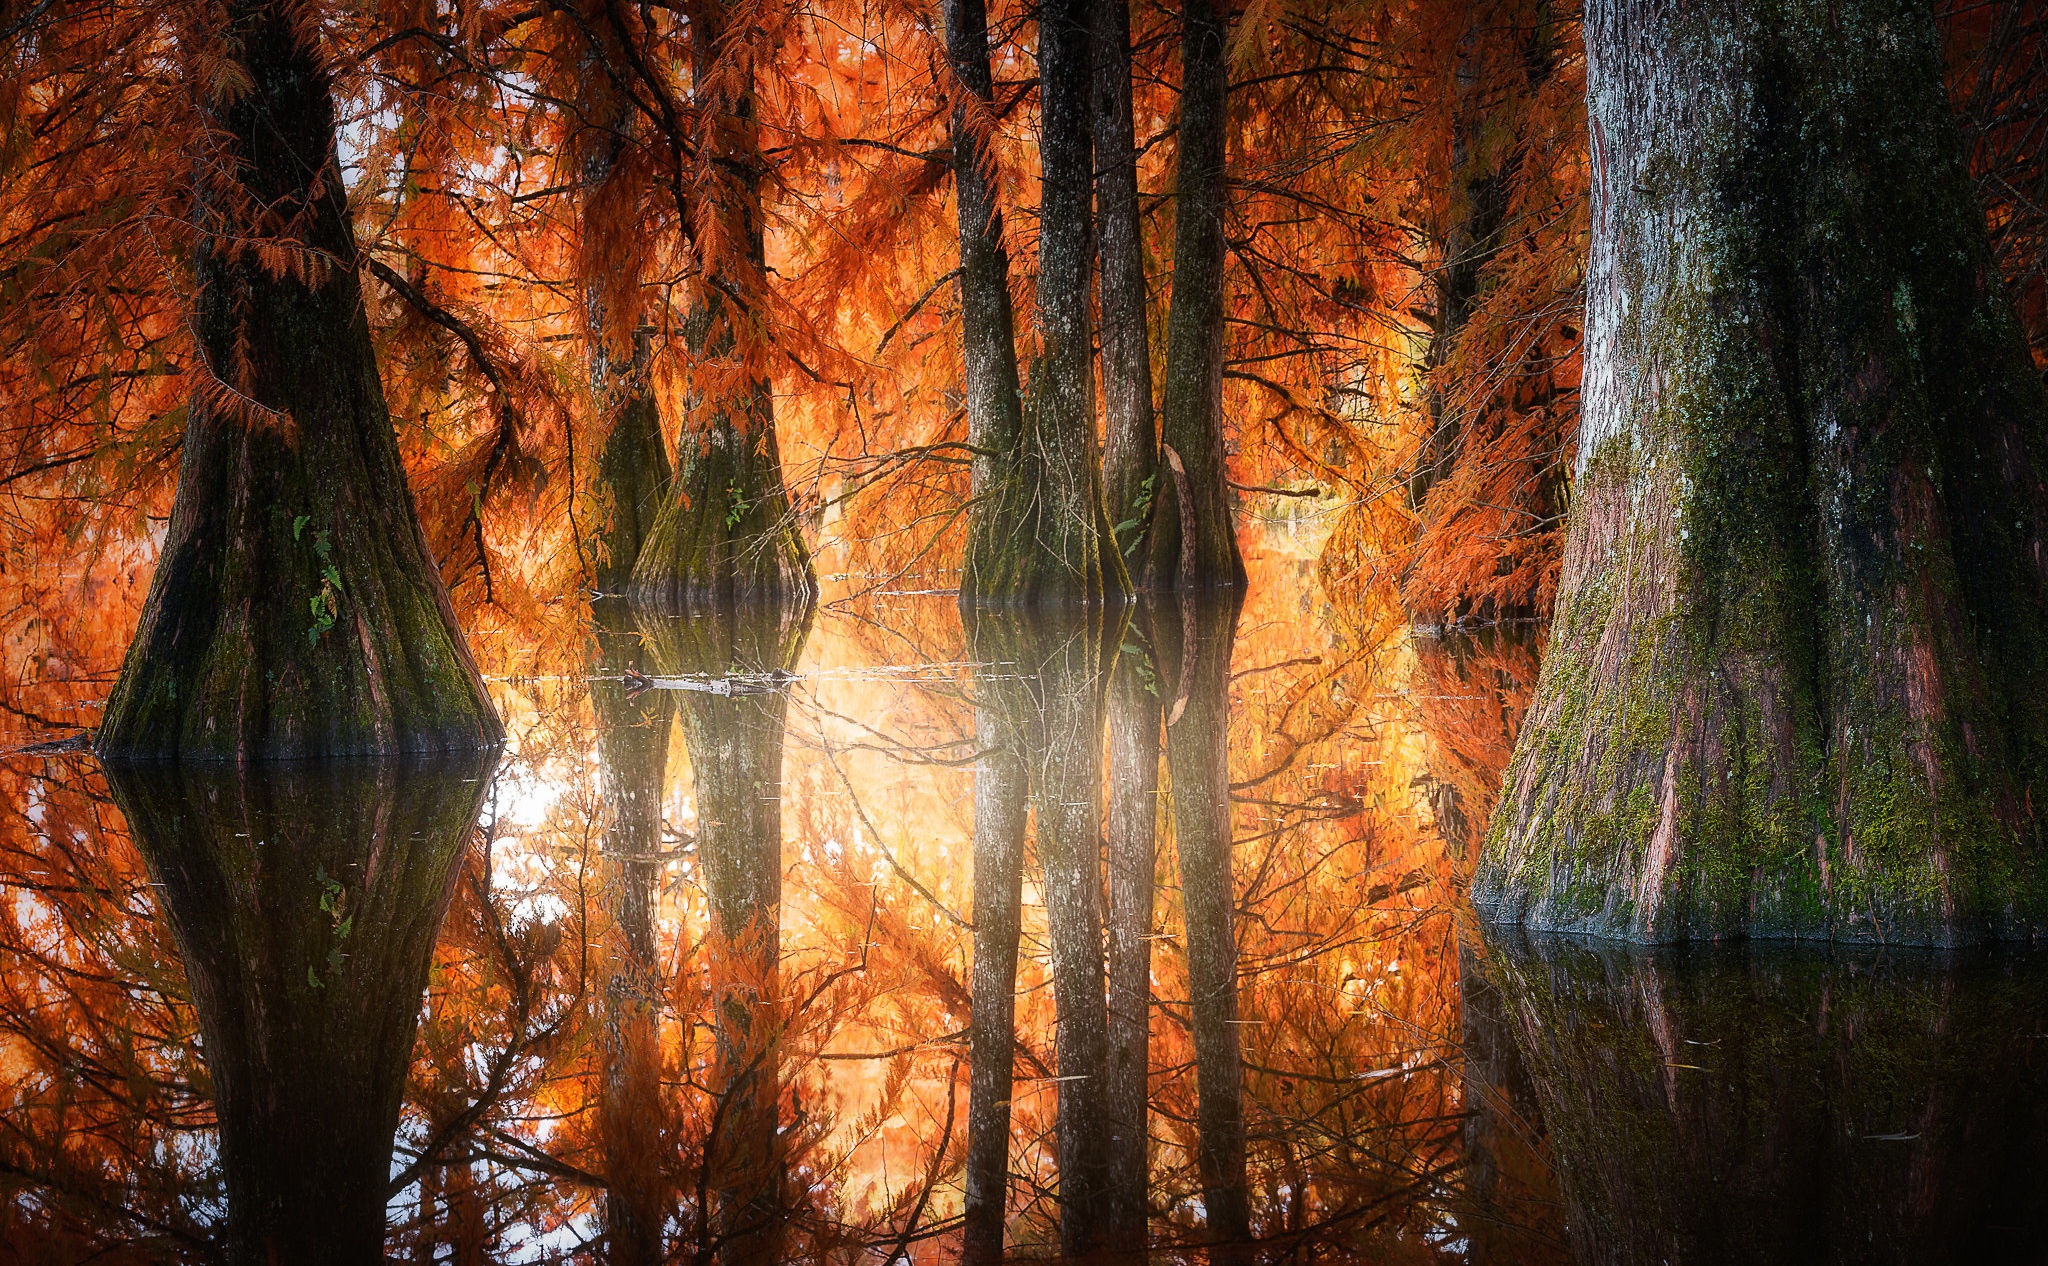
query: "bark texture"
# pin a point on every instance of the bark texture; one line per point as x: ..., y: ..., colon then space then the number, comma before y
x: 632, y: 744
x: 296, y: 610
x: 1198, y: 645
x: 1191, y: 421
x: 1054, y: 671
x: 1134, y: 737
x: 1796, y: 681
x: 1783, y: 1104
x: 305, y: 899
x: 1001, y: 808
x: 734, y: 736
x: 995, y: 397
x: 1130, y: 450
x: 1039, y: 535
x: 727, y: 534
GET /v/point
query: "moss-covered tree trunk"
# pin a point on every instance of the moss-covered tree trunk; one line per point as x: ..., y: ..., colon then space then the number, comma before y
x: 1039, y: 535
x: 727, y: 533
x: 1193, y: 498
x: 1134, y: 738
x: 1779, y: 1104
x: 1797, y: 683
x: 1194, y: 651
x: 632, y: 745
x: 306, y: 899
x: 296, y: 610
x: 734, y: 735
x: 1130, y: 449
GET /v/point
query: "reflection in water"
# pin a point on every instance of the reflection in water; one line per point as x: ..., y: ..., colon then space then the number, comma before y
x: 1785, y: 1103
x: 1042, y: 682
x: 924, y: 943
x: 733, y: 727
x: 305, y: 899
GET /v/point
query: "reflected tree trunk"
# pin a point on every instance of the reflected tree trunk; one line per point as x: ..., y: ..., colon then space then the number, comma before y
x: 1134, y: 738
x: 632, y: 738
x: 306, y: 899
x: 1001, y: 806
x: 1782, y: 1104
x: 1054, y: 713
x: 1510, y: 1210
x: 734, y: 736
x: 296, y: 609
x: 1196, y: 649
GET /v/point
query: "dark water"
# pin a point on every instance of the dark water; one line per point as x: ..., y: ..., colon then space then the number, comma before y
x: 689, y: 974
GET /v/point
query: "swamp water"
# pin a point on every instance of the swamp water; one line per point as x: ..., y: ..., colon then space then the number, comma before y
x: 687, y: 975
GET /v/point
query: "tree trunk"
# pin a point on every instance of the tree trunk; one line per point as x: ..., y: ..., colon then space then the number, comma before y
x: 306, y: 901
x: 1134, y: 716
x: 1776, y: 1104
x: 1797, y: 683
x: 1191, y: 426
x: 1130, y: 454
x: 1198, y: 758
x: 1040, y: 535
x: 296, y: 610
x: 632, y: 742
x: 995, y: 411
x: 735, y: 744
x: 727, y: 534
x: 1001, y: 805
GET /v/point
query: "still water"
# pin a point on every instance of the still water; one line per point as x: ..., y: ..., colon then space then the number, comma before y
x: 861, y: 937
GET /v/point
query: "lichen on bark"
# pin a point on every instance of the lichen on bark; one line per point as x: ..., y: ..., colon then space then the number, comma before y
x: 1796, y: 678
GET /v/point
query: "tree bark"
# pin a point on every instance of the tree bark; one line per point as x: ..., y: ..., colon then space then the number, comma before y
x: 1134, y: 737
x: 1198, y: 647
x: 632, y: 743
x: 735, y: 742
x: 1796, y: 684
x: 296, y: 610
x: 995, y: 409
x: 306, y: 900
x: 1130, y: 453
x: 1001, y: 806
x: 727, y: 533
x: 1191, y: 422
x: 1040, y: 535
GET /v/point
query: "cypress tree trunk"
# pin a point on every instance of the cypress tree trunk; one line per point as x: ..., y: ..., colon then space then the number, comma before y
x: 1040, y: 535
x: 1134, y: 716
x: 1191, y: 423
x: 995, y: 412
x: 1198, y: 758
x: 306, y: 900
x: 632, y: 744
x: 1130, y: 451
x: 727, y: 534
x: 1797, y: 683
x: 296, y: 610
x: 1001, y: 805
x: 735, y: 738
